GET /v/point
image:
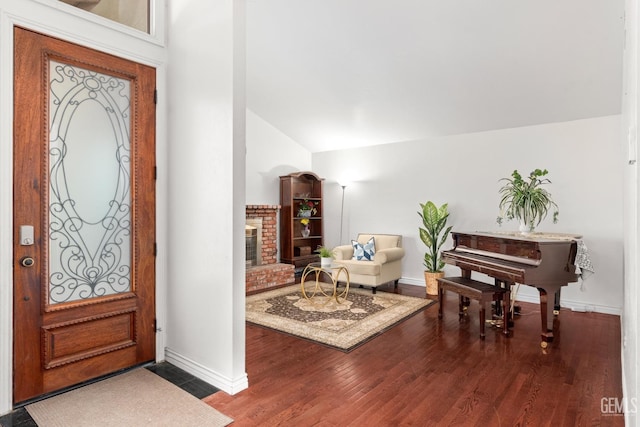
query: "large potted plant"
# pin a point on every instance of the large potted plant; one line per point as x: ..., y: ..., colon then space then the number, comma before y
x: 526, y: 200
x: 433, y: 234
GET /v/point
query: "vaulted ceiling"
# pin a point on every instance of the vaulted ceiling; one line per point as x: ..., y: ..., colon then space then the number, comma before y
x: 334, y: 74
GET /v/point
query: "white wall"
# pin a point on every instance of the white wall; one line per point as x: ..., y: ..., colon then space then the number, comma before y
x: 270, y: 154
x: 206, y: 324
x: 630, y: 330
x: 389, y: 181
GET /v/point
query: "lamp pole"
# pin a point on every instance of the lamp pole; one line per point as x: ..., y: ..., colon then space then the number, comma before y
x: 342, y: 212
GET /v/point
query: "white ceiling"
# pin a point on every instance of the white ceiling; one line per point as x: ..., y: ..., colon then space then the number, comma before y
x: 335, y: 74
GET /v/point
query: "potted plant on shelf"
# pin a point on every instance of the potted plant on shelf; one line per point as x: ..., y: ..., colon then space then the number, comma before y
x: 326, y: 256
x: 307, y: 208
x: 433, y: 234
x: 526, y: 201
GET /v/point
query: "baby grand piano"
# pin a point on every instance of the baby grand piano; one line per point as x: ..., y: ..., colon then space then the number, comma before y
x: 545, y: 261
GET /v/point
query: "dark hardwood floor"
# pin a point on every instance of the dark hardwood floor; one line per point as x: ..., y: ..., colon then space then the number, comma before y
x: 426, y: 372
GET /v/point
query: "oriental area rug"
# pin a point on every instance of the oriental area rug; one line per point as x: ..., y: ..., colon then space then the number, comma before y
x: 343, y: 326
x: 135, y: 398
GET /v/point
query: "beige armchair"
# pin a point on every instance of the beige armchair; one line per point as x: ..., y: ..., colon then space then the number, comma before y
x: 385, y: 267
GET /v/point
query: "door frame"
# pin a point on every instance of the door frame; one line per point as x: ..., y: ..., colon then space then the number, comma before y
x: 56, y: 23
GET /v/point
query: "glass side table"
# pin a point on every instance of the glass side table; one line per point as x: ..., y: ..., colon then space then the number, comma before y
x: 333, y: 271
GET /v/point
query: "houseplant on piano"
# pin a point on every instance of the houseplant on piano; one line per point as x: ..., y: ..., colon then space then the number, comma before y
x: 433, y: 234
x: 526, y: 201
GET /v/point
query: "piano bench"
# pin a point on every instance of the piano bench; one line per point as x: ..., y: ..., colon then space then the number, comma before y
x: 479, y: 291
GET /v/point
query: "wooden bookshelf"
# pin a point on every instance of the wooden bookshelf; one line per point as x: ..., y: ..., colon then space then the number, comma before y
x: 295, y: 189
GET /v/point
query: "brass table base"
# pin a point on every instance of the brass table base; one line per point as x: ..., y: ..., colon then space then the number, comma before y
x: 318, y: 270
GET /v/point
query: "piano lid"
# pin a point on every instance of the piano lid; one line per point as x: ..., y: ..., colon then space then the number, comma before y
x: 537, y: 259
x: 518, y: 235
x: 509, y: 246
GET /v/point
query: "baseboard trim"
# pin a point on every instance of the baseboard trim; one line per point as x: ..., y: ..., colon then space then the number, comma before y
x: 228, y: 385
x: 415, y: 282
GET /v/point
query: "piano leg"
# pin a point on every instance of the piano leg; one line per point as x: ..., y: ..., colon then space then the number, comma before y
x: 506, y: 311
x: 556, y: 302
x: 482, y: 319
x: 463, y: 305
x: 546, y: 313
x: 507, y: 315
x: 546, y: 334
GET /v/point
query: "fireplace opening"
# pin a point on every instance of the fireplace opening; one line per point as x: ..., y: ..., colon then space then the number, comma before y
x: 253, y: 242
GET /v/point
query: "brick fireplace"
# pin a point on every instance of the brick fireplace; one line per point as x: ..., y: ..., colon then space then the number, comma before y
x: 268, y: 273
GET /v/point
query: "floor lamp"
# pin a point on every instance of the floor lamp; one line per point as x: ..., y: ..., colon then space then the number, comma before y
x: 341, y: 212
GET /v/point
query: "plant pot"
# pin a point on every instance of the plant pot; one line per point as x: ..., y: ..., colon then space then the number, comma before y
x: 525, y: 229
x: 431, y: 280
x: 326, y: 261
x: 304, y: 214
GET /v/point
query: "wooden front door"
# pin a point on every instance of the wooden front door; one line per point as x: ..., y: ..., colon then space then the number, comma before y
x: 84, y: 214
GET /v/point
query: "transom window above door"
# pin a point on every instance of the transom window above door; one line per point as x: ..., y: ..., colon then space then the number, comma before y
x: 133, y: 13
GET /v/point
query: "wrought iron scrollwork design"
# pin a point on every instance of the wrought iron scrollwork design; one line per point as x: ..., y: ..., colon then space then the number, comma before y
x: 89, y: 257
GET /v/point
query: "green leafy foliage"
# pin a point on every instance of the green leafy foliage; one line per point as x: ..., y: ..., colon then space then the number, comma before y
x: 433, y: 233
x: 525, y: 200
x: 324, y: 252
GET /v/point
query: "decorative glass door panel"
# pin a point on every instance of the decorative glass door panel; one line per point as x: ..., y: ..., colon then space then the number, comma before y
x: 89, y: 184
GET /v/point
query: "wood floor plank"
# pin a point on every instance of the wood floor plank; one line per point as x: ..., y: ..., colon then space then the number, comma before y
x: 427, y: 371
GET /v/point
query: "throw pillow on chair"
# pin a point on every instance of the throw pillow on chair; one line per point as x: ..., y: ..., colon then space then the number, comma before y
x: 364, y: 252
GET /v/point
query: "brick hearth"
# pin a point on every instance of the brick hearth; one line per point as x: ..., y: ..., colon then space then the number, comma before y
x: 270, y: 274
